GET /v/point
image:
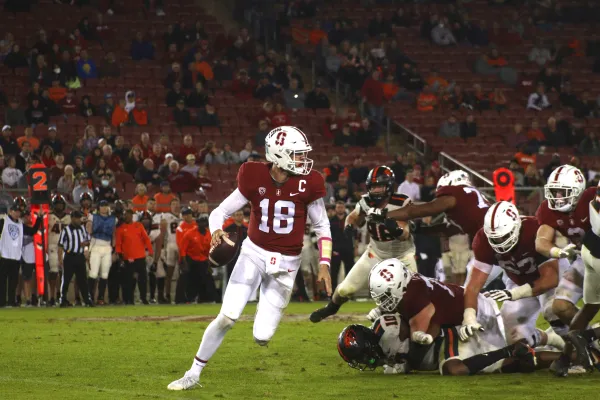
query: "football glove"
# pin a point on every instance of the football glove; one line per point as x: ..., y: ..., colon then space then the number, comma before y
x: 470, y: 326
x: 376, y: 214
x: 421, y: 338
x: 374, y: 314
x: 569, y: 251
x: 395, y: 369
x: 349, y: 232
x: 499, y: 295
x: 392, y: 227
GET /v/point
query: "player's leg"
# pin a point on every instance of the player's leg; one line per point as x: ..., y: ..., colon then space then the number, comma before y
x: 67, y: 275
x: 13, y: 281
x: 447, y: 263
x: 161, y: 273
x: 172, y: 255
x: 53, y: 273
x: 244, y: 281
x: 569, y: 290
x: 141, y: 274
x: 355, y: 280
x: 106, y: 263
x: 459, y: 266
x: 27, y: 274
x: 96, y: 256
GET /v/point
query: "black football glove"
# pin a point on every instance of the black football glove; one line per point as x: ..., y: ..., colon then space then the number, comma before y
x: 349, y: 232
x: 377, y: 215
x: 153, y: 268
x: 392, y: 227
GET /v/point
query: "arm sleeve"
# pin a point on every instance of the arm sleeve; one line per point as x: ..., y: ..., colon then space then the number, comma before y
x: 32, y: 230
x: 231, y: 204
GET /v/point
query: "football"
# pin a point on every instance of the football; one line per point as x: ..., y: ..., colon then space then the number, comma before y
x: 223, y: 253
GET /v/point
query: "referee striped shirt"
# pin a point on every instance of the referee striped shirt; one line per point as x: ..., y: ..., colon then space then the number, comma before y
x: 71, y: 239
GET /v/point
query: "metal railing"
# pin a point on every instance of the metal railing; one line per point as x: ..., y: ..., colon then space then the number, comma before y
x: 449, y: 163
x: 414, y: 141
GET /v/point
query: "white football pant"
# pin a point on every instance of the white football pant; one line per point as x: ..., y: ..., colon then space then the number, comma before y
x: 100, y: 259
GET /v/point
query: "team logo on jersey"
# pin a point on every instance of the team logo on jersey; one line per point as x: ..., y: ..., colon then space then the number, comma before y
x: 560, y: 222
x: 262, y: 191
x: 278, y: 192
x: 13, y: 231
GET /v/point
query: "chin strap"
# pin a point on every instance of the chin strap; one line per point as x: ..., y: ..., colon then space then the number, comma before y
x: 325, y: 249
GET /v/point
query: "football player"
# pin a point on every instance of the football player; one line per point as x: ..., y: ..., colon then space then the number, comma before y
x: 170, y: 253
x: 56, y: 220
x: 85, y: 204
x: 507, y: 239
x: 282, y: 192
x: 386, y: 343
x: 101, y: 226
x: 464, y: 207
x: 565, y: 212
x: 387, y: 239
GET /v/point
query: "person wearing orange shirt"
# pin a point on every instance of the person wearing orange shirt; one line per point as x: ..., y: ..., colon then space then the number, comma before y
x: 194, y: 250
x: 120, y: 117
x: 164, y: 197
x: 200, y: 67
x: 140, y: 200
x: 139, y: 114
x: 188, y: 223
x: 28, y: 137
x: 132, y: 245
x: 426, y: 100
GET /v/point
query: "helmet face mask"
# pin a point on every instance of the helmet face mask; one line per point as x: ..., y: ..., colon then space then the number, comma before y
x: 287, y: 147
x: 564, y: 188
x: 359, y: 347
x: 380, y: 184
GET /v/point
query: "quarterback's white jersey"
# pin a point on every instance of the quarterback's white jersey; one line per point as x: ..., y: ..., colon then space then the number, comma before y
x: 382, y: 243
x: 55, y: 225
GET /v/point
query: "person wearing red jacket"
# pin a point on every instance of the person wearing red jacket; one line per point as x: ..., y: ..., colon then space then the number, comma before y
x: 194, y: 250
x: 243, y: 86
x: 132, y: 243
x: 187, y: 224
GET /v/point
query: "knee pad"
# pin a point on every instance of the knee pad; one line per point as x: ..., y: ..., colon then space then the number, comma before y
x: 224, y: 323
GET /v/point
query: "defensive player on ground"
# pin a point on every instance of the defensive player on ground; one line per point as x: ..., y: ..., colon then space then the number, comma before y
x: 387, y: 240
x: 387, y: 344
x: 282, y: 193
x: 565, y: 212
x: 508, y: 240
x: 57, y: 219
x: 455, y: 196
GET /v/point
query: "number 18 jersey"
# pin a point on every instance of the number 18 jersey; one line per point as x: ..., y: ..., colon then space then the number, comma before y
x: 279, y: 211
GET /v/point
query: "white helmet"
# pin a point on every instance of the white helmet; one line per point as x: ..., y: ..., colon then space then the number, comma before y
x: 459, y: 177
x: 387, y: 283
x: 444, y: 181
x: 287, y: 147
x: 502, y: 225
x: 564, y: 188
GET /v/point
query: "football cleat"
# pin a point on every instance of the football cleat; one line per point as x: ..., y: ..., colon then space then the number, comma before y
x: 320, y: 314
x: 187, y: 382
x: 560, y: 367
x: 581, y: 349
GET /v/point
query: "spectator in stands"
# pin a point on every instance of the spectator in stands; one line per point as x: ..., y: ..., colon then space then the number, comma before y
x: 532, y: 176
x: 141, y: 48
x: 198, y: 98
x: 180, y: 181
x: 265, y: 89
x: 334, y: 170
x: 25, y: 156
x: 553, y: 135
x: 14, y: 115
x: 280, y: 117
x: 293, y: 97
x: 8, y: 142
x: 434, y: 171
x: 139, y: 115
x: 163, y: 170
x: 586, y: 107
x: 468, y: 128
x: 358, y: 172
x: 67, y: 66
x: 146, y: 174
x: 141, y: 198
x: 77, y: 157
x: 107, y: 108
x: 120, y: 116
x: 112, y: 160
x: 366, y: 136
x: 68, y: 105
x: 441, y: 34
x: 317, y: 99
x: 99, y: 171
x: 47, y: 156
x: 89, y: 137
x: 86, y: 67
x: 190, y: 165
x: 333, y: 61
x: 243, y: 86
x: 52, y: 141
x: 81, y: 188
x: 223, y: 71
x: 86, y: 108
x: 538, y: 99
x: 110, y: 67
x: 399, y: 168
x: 550, y: 79
x: 187, y: 148
x: 208, y: 116
x: 535, y: 136
x: 261, y: 134
x: 15, y: 58
x: 201, y: 69
x: 373, y: 96
x: 540, y: 54
x: 10, y: 174
x: 409, y: 187
x: 36, y: 114
x: 567, y: 98
x: 66, y: 183
x: 517, y: 172
x: 174, y: 95
x: 175, y: 75
x: 229, y: 156
x: 215, y: 156
x: 345, y: 137
x: 498, y: 100
x: 247, y: 150
x: 92, y: 158
x: 450, y: 128
x: 157, y: 155
x: 590, y: 145
x: 525, y: 157
x: 379, y: 27
x: 39, y: 71
x: 427, y: 100
x: 57, y: 92
x: 104, y: 191
x: 181, y: 115
x: 29, y: 138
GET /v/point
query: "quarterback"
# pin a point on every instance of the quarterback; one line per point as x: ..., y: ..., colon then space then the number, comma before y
x: 282, y: 193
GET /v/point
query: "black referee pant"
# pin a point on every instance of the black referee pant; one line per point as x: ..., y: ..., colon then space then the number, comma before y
x: 9, y: 277
x: 200, y: 282
x: 74, y: 264
x: 127, y: 280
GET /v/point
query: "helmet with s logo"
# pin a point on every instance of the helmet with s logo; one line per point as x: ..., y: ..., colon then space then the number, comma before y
x: 387, y: 283
x: 564, y: 188
x: 502, y: 225
x: 287, y: 147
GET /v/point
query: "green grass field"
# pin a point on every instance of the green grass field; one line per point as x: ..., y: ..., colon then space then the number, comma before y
x: 133, y: 353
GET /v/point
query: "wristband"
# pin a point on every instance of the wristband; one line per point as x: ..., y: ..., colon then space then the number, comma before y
x: 325, y: 249
x: 521, y: 291
x: 469, y: 316
x: 555, y: 252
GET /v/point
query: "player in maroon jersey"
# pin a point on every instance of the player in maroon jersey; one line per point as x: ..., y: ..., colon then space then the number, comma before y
x: 508, y: 240
x: 565, y: 212
x: 282, y: 193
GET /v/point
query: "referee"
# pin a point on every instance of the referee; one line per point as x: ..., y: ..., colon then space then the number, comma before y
x: 72, y: 243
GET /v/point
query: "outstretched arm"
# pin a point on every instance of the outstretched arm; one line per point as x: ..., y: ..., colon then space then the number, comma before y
x: 436, y: 206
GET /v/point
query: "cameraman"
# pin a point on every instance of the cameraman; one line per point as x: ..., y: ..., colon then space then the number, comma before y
x: 195, y: 247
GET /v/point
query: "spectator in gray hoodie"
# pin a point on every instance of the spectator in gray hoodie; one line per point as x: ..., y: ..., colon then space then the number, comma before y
x: 294, y: 97
x: 441, y: 33
x: 450, y: 128
x: 82, y: 188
